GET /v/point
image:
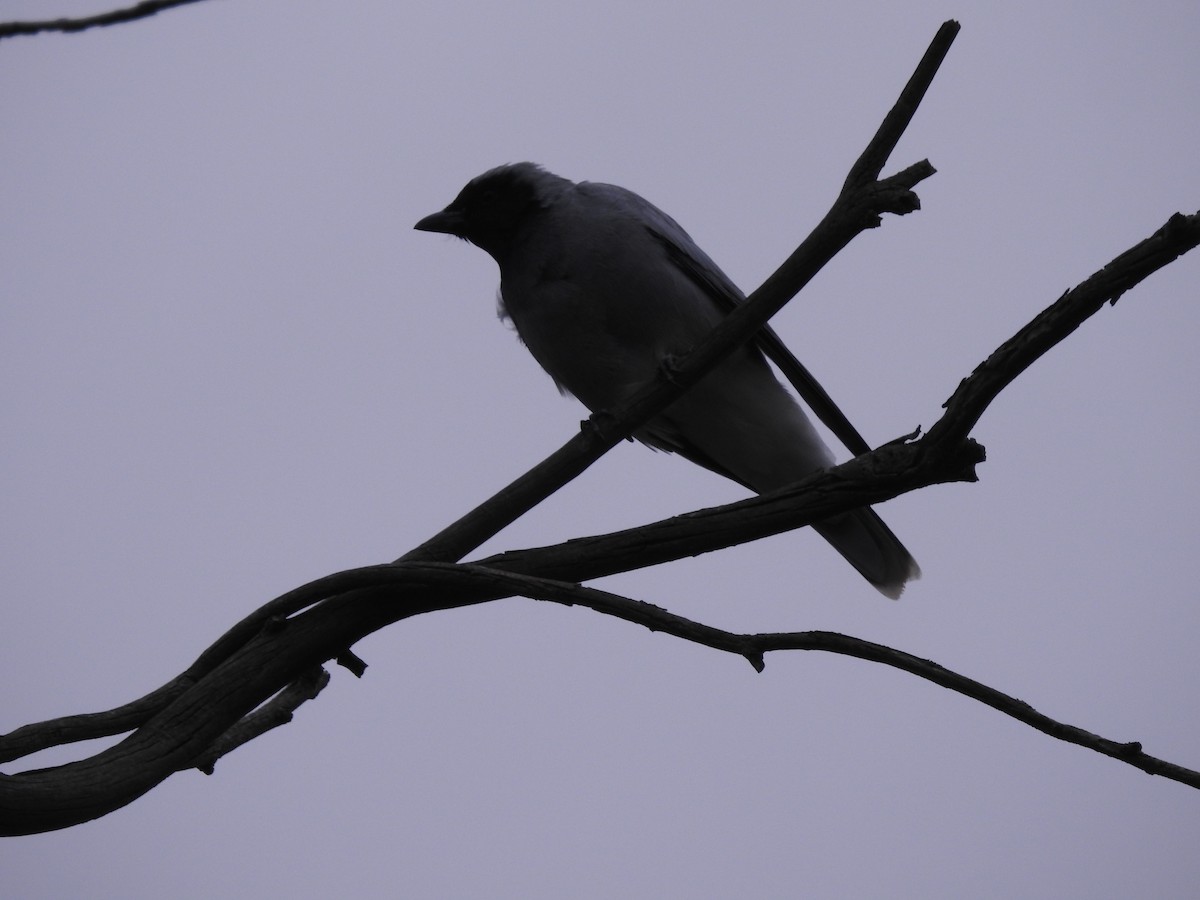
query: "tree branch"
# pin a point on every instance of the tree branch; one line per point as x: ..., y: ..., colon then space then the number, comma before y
x: 1176, y: 237
x: 275, y: 712
x: 754, y: 646
x: 141, y: 10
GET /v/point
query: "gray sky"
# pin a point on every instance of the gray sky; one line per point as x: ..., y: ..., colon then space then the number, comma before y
x: 228, y: 366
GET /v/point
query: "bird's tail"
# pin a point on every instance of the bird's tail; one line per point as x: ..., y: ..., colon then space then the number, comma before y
x: 869, y: 545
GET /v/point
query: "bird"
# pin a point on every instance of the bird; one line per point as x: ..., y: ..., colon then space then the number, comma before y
x: 605, y: 289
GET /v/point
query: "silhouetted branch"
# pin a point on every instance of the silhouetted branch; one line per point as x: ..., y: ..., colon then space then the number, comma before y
x: 275, y: 712
x: 1176, y: 237
x: 128, y: 14
x: 754, y: 646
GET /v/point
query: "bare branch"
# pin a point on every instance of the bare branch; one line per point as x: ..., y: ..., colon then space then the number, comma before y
x: 868, y: 166
x: 1176, y: 237
x: 275, y: 712
x: 141, y: 10
x: 754, y: 646
x: 41, y: 800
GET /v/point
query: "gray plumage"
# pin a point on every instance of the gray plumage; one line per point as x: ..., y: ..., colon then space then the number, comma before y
x: 602, y: 287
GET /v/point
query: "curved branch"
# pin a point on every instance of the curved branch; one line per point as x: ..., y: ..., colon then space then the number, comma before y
x: 754, y: 646
x: 1176, y: 237
x: 52, y: 798
x: 141, y: 10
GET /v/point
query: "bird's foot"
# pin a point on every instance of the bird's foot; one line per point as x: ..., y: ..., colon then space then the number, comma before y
x: 668, y: 367
x: 600, y: 423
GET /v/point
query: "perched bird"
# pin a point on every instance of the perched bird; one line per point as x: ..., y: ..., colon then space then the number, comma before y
x: 603, y: 287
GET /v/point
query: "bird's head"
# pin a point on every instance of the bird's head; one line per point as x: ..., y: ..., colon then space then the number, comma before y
x: 492, y: 209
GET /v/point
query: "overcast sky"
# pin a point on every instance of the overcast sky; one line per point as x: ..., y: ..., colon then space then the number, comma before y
x: 228, y: 366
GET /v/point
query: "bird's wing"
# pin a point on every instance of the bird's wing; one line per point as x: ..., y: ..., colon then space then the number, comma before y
x: 659, y: 435
x: 696, y: 264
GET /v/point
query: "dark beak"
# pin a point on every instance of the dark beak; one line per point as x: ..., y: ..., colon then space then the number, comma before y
x: 445, y: 222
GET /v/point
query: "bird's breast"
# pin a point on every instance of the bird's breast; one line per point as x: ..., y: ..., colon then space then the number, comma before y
x: 577, y: 332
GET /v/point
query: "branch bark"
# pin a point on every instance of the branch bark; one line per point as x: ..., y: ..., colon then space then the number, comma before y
x: 277, y: 651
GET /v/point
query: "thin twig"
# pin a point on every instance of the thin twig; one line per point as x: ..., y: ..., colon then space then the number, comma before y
x: 141, y: 10
x: 754, y: 646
